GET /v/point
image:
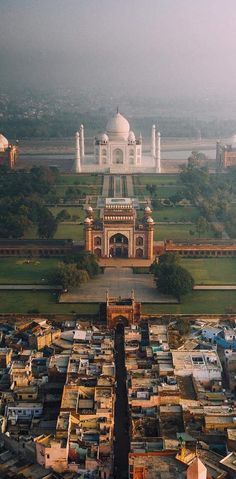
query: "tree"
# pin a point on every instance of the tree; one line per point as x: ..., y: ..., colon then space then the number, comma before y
x: 68, y: 275
x: 47, y: 225
x: 63, y: 215
x: 85, y: 261
x: 201, y: 225
x: 171, y: 278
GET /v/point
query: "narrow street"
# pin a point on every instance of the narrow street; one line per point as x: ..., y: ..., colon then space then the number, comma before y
x: 121, y: 446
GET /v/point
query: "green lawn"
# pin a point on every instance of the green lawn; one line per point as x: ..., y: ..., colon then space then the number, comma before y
x: 41, y: 301
x: 82, y: 179
x: 64, y: 231
x: 85, y: 189
x: 176, y: 232
x: 72, y: 210
x: 176, y: 213
x: 211, y: 270
x: 162, y: 191
x: 155, y: 179
x: 20, y: 271
x: 198, y: 302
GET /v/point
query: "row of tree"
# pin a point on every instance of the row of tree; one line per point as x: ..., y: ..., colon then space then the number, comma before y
x: 75, y: 270
x: 23, y: 196
x: 171, y: 278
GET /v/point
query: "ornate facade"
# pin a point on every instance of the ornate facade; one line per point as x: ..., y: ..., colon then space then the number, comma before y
x: 119, y: 234
x: 117, y: 148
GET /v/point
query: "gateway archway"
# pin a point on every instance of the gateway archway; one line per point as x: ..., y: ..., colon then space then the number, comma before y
x: 118, y: 246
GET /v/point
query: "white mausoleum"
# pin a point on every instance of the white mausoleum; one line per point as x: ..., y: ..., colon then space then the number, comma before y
x: 117, y: 149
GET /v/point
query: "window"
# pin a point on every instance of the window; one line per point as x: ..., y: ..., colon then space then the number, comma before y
x: 139, y: 241
x: 97, y: 241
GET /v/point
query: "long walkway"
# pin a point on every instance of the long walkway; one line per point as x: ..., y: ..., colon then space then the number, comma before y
x: 122, y: 440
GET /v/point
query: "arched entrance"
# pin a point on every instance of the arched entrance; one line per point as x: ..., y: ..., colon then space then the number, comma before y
x: 118, y: 246
x: 120, y: 322
x: 118, y: 157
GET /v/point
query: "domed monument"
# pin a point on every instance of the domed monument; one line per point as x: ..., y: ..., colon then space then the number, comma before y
x: 117, y: 149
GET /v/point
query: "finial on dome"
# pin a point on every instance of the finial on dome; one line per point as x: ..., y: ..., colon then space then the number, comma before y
x: 117, y: 109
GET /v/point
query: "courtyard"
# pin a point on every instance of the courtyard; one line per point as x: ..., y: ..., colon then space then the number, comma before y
x: 119, y: 282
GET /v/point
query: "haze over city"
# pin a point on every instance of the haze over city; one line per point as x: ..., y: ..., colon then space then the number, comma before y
x: 165, y: 48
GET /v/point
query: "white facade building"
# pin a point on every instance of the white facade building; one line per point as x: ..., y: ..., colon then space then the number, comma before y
x: 117, y: 149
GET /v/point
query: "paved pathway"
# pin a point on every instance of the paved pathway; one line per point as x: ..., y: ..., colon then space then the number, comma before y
x: 105, y: 187
x: 216, y: 287
x: 119, y: 282
x: 129, y: 184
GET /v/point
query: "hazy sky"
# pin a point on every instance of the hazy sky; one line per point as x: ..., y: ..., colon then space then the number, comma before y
x: 157, y: 47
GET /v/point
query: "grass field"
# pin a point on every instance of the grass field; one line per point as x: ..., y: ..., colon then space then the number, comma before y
x: 73, y: 180
x: 72, y: 210
x: 20, y: 271
x: 64, y: 231
x: 43, y: 302
x: 211, y: 270
x: 177, y: 213
x: 155, y: 179
x: 176, y: 232
x: 198, y: 302
x: 85, y: 189
x: 162, y: 191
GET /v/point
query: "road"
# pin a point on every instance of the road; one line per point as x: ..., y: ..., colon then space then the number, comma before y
x: 122, y: 440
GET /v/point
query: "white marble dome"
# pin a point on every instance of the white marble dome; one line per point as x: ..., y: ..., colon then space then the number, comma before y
x: 87, y: 221
x: 118, y: 127
x: 150, y: 220
x: 89, y: 209
x: 148, y: 209
x: 3, y: 143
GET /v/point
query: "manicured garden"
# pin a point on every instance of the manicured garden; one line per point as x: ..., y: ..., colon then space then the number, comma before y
x: 177, y: 232
x: 26, y: 271
x: 198, y: 302
x: 41, y: 302
x: 82, y: 179
x: 176, y: 213
x: 64, y: 231
x: 211, y: 270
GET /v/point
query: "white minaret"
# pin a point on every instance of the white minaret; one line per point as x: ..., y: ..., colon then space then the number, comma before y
x: 77, y: 157
x: 82, y: 142
x: 158, y: 153
x: 153, y: 141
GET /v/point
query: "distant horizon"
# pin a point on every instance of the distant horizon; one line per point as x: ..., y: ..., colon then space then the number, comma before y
x: 161, y: 49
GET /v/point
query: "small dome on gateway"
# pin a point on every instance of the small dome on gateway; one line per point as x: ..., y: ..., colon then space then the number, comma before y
x: 89, y: 208
x: 148, y: 209
x: 150, y: 220
x: 118, y: 127
x: 3, y: 143
x: 87, y: 221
